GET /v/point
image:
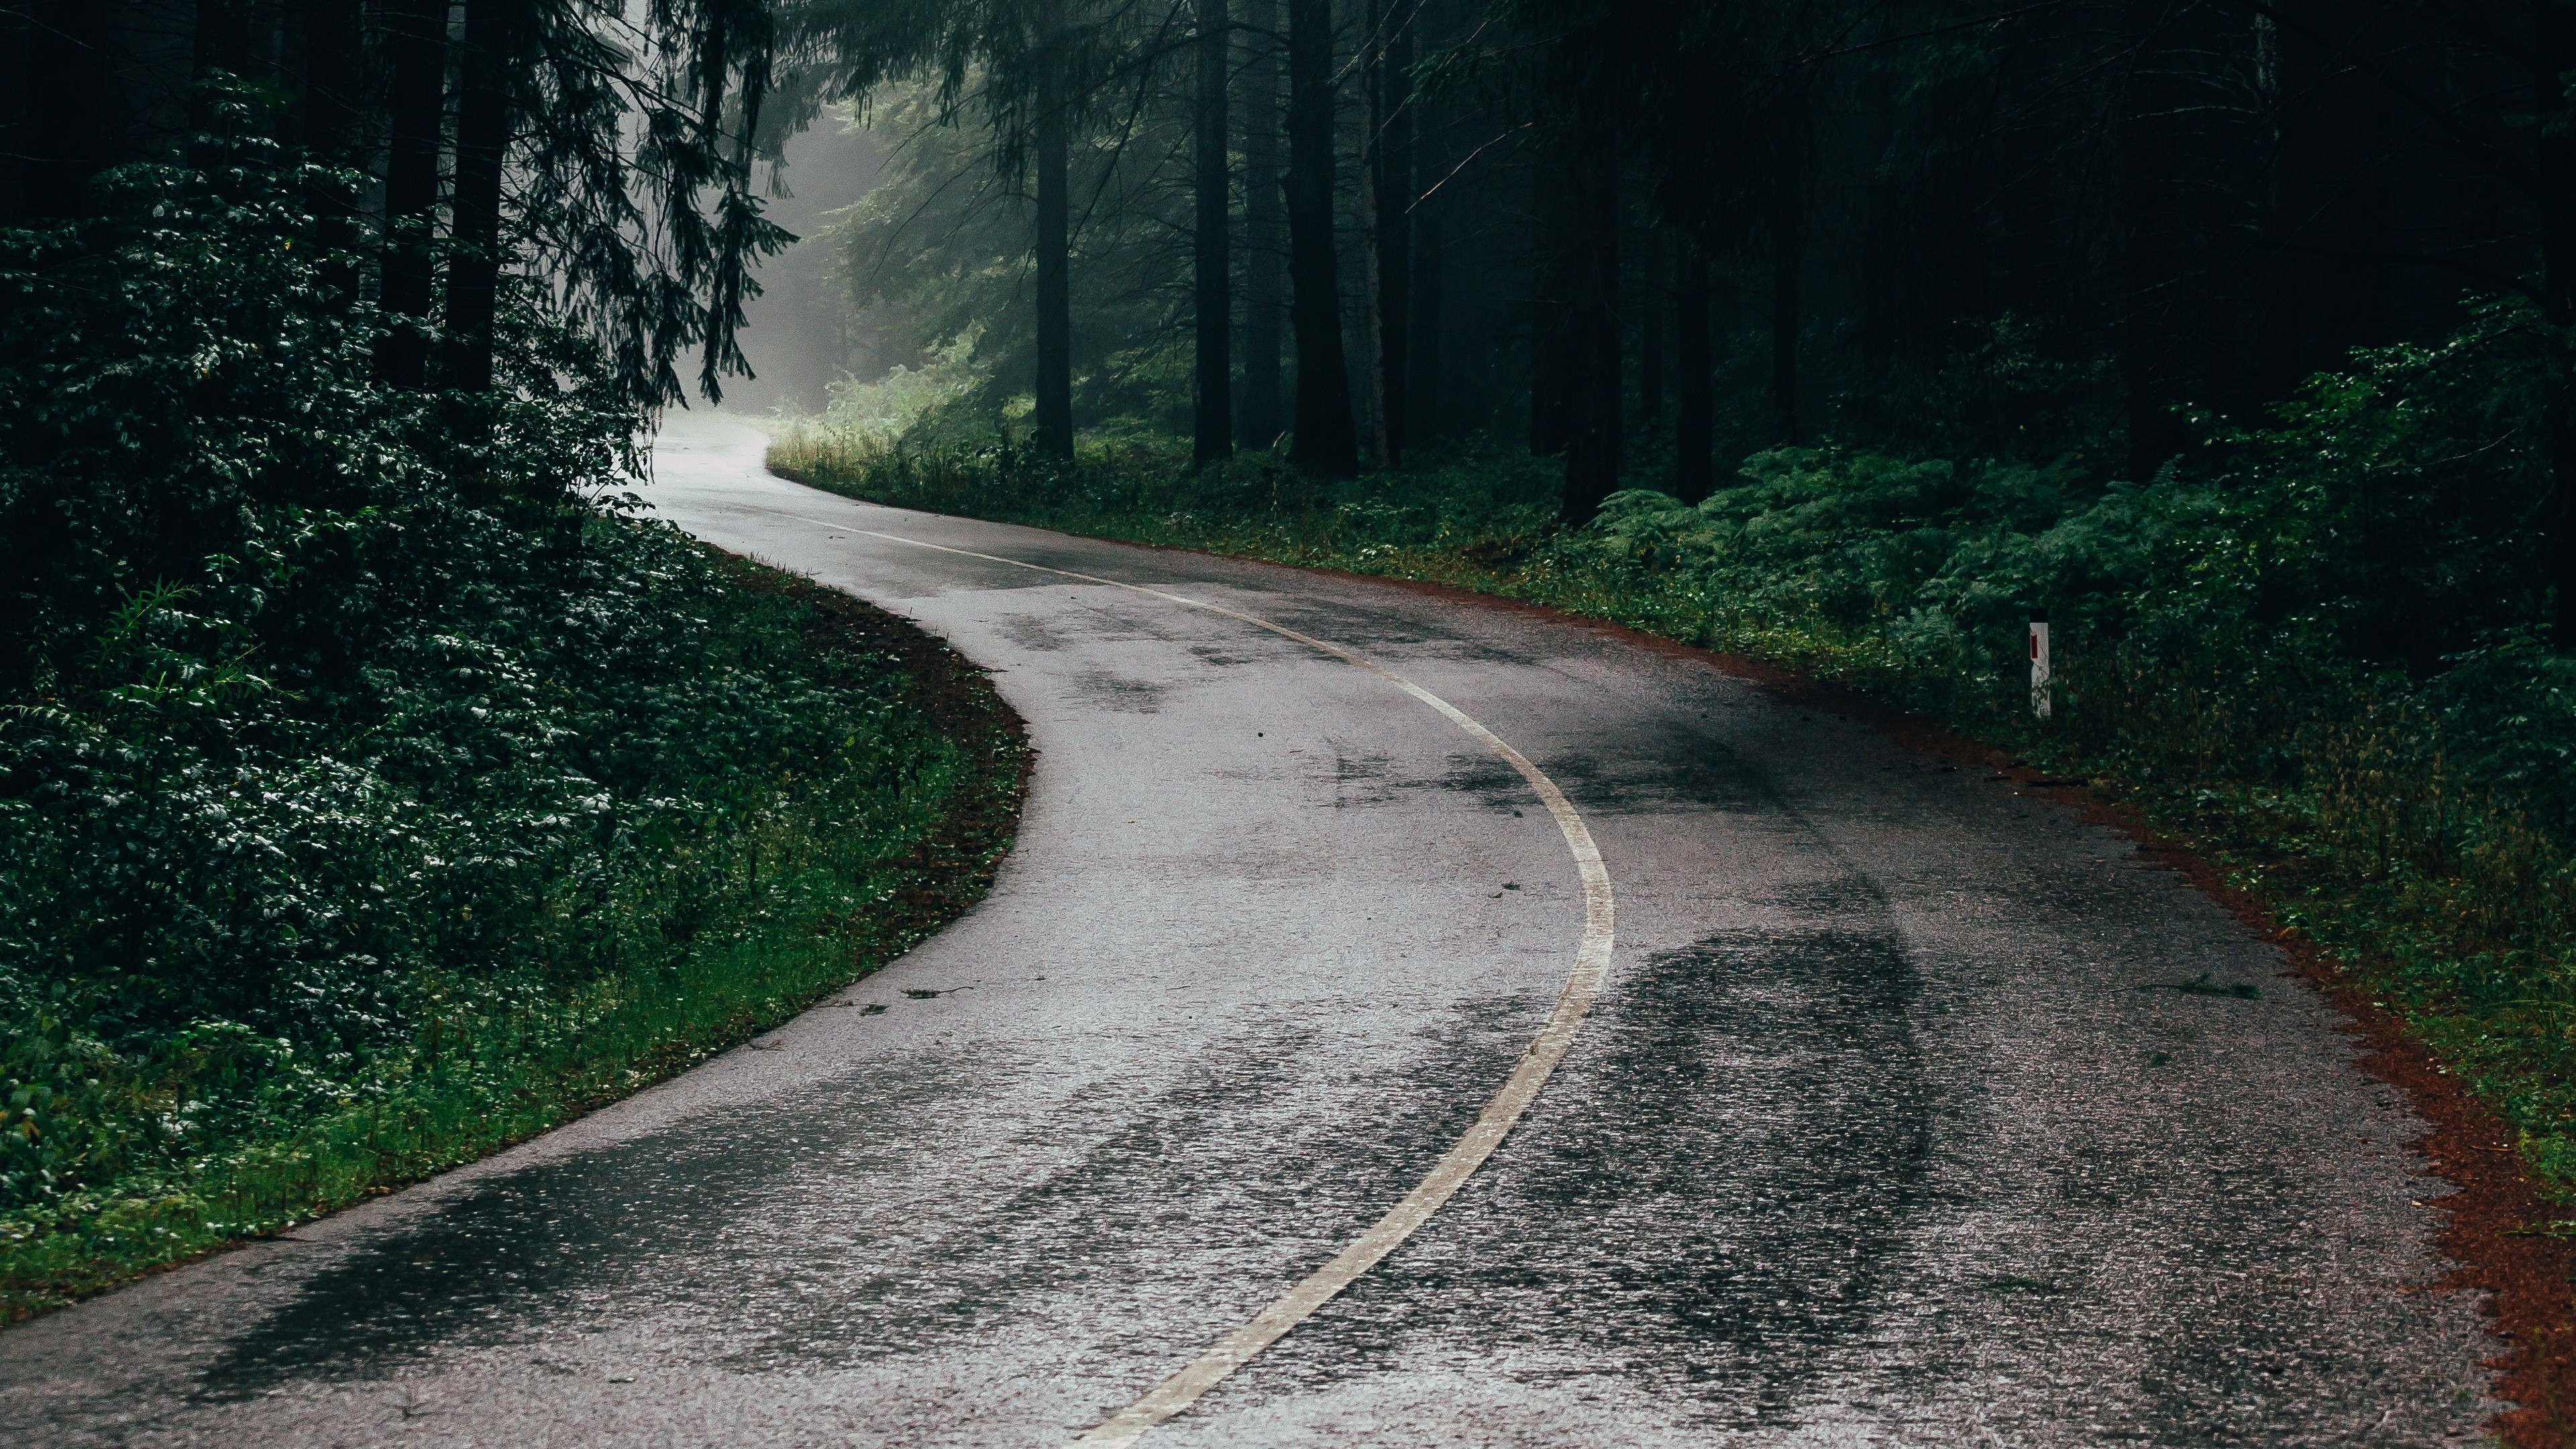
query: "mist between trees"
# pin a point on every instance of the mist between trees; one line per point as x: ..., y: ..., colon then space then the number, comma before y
x: 1653, y: 238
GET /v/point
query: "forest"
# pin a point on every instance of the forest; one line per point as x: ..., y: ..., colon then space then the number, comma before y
x: 364, y: 749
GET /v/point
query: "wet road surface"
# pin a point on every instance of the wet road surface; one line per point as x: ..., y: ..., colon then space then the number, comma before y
x: 1881, y: 1132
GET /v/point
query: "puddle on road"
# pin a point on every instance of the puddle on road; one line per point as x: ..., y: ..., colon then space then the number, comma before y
x: 1678, y: 765
x: 917, y: 1208
x: 1709, y: 1202
x: 1119, y: 694
x: 1683, y: 769
x: 566, y: 1241
x: 1035, y: 633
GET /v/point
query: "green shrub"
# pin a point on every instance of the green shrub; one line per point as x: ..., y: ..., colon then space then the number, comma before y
x: 367, y: 801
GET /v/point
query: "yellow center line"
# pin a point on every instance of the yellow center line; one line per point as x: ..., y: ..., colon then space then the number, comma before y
x: 1582, y: 986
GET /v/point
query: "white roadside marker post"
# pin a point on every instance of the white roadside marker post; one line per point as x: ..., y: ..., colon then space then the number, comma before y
x: 2039, y: 698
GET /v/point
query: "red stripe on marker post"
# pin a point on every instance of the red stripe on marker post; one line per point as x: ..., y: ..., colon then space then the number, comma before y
x: 2039, y: 693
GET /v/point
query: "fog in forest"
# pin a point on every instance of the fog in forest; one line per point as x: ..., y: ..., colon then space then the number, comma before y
x: 801, y: 333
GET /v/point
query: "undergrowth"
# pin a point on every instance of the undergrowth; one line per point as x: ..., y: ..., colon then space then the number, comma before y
x: 370, y: 799
x: 2304, y: 647
x: 723, y: 823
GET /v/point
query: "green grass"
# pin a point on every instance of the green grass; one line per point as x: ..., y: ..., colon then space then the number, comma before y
x: 838, y: 865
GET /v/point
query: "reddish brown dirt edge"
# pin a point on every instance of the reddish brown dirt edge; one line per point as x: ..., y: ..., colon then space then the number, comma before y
x: 2492, y: 1209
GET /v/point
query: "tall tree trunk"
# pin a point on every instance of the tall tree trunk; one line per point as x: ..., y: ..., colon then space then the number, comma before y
x: 1325, y: 441
x: 417, y: 30
x: 1788, y: 257
x: 2150, y: 264
x: 222, y: 40
x: 1054, y: 412
x: 1435, y: 23
x: 2280, y: 336
x: 2355, y: 224
x: 294, y: 72
x: 221, y: 46
x: 335, y: 129
x: 1694, y: 390
x: 1424, y: 331
x: 1894, y: 301
x: 1553, y: 360
x: 2554, y: 57
x: 15, y: 144
x: 1264, y: 228
x: 1389, y: 199
x: 1594, y: 392
x: 1650, y: 331
x: 483, y: 121
x: 1213, y: 440
x: 1785, y: 321
x: 2326, y: 225
x: 334, y: 86
x: 67, y: 102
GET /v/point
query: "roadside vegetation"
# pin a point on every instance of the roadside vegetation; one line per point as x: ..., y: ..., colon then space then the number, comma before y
x: 376, y: 792
x: 2308, y: 650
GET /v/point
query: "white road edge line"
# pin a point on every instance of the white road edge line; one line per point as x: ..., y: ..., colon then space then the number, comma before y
x: 1582, y: 986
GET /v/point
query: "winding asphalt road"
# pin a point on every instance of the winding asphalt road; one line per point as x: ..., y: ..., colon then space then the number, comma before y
x: 1879, y: 1131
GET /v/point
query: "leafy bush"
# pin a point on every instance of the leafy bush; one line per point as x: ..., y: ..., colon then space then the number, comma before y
x: 348, y: 776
